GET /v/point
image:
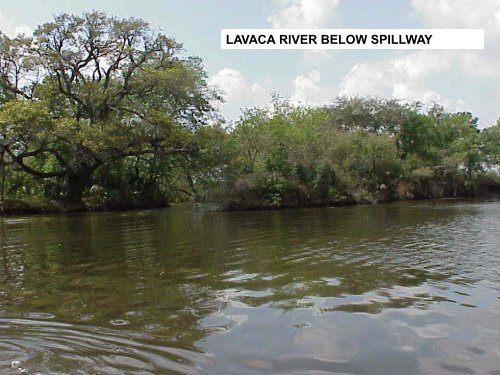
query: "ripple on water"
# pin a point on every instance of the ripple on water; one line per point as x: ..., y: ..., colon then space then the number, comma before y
x: 119, y: 322
x: 53, y: 347
x: 403, y: 288
x: 40, y: 316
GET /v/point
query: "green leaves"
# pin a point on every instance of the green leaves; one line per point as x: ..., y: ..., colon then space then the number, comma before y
x: 490, y: 144
x: 90, y: 89
x: 26, y: 124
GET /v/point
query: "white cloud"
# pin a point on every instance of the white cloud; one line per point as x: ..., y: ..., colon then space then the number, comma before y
x: 302, y: 14
x: 479, y: 64
x: 234, y: 85
x: 401, y: 77
x: 388, y: 77
x: 460, y: 14
x: 483, y: 66
x: 238, y: 93
x: 11, y: 28
x: 307, y: 89
x: 409, y: 76
x: 484, y: 14
x: 314, y: 57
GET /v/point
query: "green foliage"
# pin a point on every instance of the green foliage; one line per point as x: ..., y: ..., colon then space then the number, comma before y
x: 460, y: 138
x: 107, y: 112
x: 490, y: 145
x: 372, y: 114
x: 88, y: 91
x: 354, y: 150
x: 418, y: 137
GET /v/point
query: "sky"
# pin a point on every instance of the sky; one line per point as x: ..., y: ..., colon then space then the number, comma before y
x: 461, y: 80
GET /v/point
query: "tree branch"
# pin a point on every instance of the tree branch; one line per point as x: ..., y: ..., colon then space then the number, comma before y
x: 34, y: 172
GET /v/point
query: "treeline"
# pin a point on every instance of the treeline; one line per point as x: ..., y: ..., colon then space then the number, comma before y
x: 101, y: 112
x: 356, y: 150
x: 353, y: 151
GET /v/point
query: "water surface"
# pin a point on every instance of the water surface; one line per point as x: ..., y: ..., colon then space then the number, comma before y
x: 404, y: 288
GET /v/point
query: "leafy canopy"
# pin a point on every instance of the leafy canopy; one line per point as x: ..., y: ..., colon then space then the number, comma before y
x: 91, y: 89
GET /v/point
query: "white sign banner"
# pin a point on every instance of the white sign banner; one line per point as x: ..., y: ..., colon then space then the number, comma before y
x: 352, y: 38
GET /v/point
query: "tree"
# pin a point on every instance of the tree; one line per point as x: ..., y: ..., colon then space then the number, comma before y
x: 459, y: 135
x: 249, y: 137
x: 88, y: 90
x: 370, y: 114
x: 490, y: 145
x: 366, y: 159
x: 417, y: 137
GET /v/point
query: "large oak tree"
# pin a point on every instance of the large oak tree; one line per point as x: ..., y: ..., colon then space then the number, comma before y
x: 88, y: 90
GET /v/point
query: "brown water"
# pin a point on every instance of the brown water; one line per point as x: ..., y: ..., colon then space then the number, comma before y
x: 405, y: 288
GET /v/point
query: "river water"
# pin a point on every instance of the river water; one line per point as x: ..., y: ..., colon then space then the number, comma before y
x: 403, y: 288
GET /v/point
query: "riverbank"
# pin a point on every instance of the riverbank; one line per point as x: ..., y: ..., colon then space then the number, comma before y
x: 15, y: 207
x: 256, y: 206
x: 293, y: 195
x: 30, y: 206
x: 37, y: 206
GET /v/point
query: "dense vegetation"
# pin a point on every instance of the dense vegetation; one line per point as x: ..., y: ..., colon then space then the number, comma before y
x: 355, y: 150
x: 101, y: 112
x: 95, y: 102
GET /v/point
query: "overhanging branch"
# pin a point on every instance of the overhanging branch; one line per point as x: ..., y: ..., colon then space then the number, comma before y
x: 19, y: 160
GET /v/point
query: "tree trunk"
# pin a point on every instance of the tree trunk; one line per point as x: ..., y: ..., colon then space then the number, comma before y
x: 2, y: 183
x: 77, y: 182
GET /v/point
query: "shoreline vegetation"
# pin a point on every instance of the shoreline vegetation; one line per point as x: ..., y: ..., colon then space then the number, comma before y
x: 37, y: 207
x: 103, y: 113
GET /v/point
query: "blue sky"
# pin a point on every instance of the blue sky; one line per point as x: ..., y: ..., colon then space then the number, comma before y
x: 460, y: 80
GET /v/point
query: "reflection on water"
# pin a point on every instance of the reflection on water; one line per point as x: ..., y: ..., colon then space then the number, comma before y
x: 405, y: 288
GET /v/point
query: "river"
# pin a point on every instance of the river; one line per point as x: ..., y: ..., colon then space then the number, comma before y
x: 401, y: 288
